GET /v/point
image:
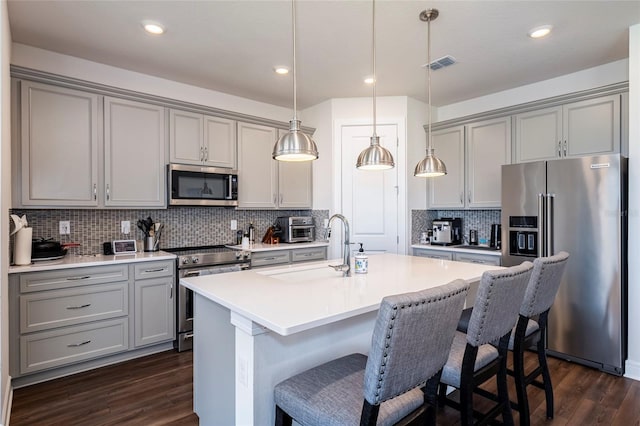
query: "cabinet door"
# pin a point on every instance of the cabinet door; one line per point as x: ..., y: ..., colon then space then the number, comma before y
x: 59, y: 138
x: 488, y: 148
x: 154, y: 311
x: 538, y: 135
x: 592, y: 127
x: 448, y: 191
x: 134, y: 150
x: 257, y: 171
x: 219, y: 142
x: 295, y: 183
x: 185, y: 137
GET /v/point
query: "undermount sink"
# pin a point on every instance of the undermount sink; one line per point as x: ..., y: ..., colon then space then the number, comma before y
x: 485, y: 248
x: 303, y: 275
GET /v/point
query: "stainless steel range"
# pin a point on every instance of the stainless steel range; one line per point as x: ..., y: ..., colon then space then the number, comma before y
x: 198, y: 261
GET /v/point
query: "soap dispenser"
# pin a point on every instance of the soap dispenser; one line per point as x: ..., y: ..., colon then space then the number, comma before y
x: 362, y: 261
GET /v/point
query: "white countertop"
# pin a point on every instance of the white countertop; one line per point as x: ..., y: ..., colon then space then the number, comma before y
x: 294, y: 298
x: 459, y: 249
x: 256, y: 247
x: 77, y: 261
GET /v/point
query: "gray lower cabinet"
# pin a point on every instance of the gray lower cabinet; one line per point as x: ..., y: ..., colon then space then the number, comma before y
x: 287, y: 256
x: 68, y: 319
x: 485, y: 259
x: 434, y: 254
x: 154, y: 308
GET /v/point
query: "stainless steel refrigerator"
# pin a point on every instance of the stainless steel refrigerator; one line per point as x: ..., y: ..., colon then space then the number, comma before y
x: 578, y: 206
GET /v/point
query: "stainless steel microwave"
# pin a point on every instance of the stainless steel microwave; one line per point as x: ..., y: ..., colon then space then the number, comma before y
x: 202, y: 186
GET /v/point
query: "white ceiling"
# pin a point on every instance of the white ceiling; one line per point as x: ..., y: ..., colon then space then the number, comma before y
x: 232, y: 46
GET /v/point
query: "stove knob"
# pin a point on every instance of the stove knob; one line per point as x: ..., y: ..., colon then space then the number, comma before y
x: 238, y: 255
x: 185, y: 260
x: 195, y: 259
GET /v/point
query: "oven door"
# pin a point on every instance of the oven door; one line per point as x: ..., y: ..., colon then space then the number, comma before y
x: 301, y: 233
x: 185, y: 302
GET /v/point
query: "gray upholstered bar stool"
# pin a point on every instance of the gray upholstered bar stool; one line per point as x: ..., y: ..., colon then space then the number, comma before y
x: 531, y: 330
x: 410, y: 343
x: 473, y: 359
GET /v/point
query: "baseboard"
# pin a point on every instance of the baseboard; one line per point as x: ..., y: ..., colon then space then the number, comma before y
x: 6, y: 404
x: 632, y: 370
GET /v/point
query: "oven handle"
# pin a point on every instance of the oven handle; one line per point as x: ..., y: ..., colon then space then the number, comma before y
x: 191, y: 274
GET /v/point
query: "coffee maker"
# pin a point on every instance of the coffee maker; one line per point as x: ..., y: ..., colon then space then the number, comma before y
x: 447, y: 231
x: 496, y: 236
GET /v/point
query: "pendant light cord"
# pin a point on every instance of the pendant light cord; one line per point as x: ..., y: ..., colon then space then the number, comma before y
x: 295, y: 94
x: 429, y: 79
x: 373, y: 49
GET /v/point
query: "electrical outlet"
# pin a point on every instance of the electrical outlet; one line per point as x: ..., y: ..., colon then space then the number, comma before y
x: 65, y: 227
x: 234, y: 225
x: 125, y: 227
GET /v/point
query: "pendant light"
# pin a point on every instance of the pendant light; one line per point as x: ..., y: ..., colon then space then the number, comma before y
x: 430, y: 166
x: 295, y: 145
x: 375, y: 157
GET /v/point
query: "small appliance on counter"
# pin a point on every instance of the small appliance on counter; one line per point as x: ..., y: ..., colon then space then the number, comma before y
x: 296, y: 229
x: 473, y: 237
x: 47, y: 249
x: 447, y: 231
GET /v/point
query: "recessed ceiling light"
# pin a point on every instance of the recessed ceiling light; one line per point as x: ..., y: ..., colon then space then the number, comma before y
x: 369, y: 80
x: 282, y: 70
x: 152, y: 27
x: 539, y: 32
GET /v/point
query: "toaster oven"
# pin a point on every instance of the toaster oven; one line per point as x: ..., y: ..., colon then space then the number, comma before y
x: 296, y: 229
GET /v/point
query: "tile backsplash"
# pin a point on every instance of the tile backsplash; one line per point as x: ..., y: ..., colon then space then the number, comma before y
x: 184, y: 226
x: 480, y: 220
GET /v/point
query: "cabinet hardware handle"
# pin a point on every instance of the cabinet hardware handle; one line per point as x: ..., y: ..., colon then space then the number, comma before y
x: 171, y: 292
x: 188, y: 336
x: 565, y: 148
x: 559, y: 148
x: 475, y: 261
x: 79, y: 307
x: 201, y: 153
x: 469, y: 198
x: 206, y: 154
x: 270, y: 258
x: 275, y: 198
x: 281, y: 198
x: 108, y: 192
x: 78, y: 278
x: 155, y: 270
x: 95, y: 191
x: 73, y: 345
x: 461, y: 197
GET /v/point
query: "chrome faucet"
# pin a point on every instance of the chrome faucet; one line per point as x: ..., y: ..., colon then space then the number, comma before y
x: 346, y: 262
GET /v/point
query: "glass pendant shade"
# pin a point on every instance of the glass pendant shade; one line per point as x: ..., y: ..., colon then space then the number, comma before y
x: 430, y: 166
x: 375, y: 157
x: 295, y: 145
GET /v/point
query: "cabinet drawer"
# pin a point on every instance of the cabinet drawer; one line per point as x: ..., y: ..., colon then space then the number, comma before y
x: 477, y: 258
x: 48, y: 349
x: 51, y: 309
x: 153, y: 269
x: 72, y: 277
x: 307, y: 254
x: 433, y: 254
x: 269, y: 258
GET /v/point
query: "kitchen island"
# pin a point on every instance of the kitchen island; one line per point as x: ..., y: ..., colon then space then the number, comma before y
x: 256, y: 328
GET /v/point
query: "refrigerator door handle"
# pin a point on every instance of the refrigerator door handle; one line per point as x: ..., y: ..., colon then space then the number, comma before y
x: 549, y: 224
x: 542, y: 225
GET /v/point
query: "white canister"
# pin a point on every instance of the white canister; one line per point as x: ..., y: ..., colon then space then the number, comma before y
x: 362, y: 263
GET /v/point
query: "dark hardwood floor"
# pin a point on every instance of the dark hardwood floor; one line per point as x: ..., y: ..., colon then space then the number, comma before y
x: 157, y: 390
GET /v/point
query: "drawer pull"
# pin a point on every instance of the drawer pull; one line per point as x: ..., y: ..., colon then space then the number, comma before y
x: 270, y: 258
x: 86, y: 277
x: 154, y: 270
x: 74, y: 345
x: 79, y: 307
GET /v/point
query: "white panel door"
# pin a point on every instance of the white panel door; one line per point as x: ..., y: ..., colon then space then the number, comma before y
x: 370, y: 198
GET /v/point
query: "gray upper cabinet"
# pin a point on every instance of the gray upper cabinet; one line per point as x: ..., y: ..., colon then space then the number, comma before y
x: 134, y: 154
x: 474, y: 155
x: 201, y: 139
x: 59, y: 146
x: 264, y: 182
x: 588, y: 127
